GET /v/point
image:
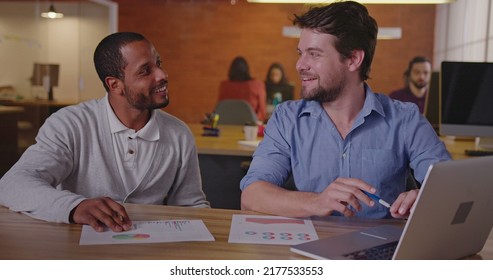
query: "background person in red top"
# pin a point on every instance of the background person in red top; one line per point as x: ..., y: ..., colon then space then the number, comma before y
x: 241, y: 85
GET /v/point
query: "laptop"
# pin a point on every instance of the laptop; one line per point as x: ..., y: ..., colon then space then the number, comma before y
x: 451, y: 220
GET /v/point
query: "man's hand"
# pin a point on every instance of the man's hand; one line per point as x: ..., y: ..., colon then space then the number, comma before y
x: 341, y: 193
x: 99, y: 212
x: 401, y: 208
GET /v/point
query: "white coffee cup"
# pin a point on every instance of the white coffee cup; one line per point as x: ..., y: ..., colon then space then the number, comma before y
x: 250, y: 132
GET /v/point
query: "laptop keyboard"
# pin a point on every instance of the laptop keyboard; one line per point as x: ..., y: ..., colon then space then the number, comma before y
x: 382, y: 252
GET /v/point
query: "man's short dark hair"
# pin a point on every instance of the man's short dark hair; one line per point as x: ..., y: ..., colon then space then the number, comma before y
x: 416, y: 59
x: 350, y: 23
x: 108, y: 58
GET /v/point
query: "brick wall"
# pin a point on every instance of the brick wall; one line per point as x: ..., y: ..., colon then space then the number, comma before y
x: 197, y: 40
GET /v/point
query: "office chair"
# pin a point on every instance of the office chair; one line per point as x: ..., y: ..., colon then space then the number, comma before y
x: 235, y: 111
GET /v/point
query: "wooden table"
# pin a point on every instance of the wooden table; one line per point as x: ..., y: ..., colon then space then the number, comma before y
x: 227, y: 142
x: 224, y: 144
x: 22, y: 237
x: 40, y: 107
x: 457, y: 146
x: 37, y: 102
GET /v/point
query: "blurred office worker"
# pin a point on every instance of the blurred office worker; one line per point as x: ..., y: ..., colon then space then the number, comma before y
x: 341, y: 139
x: 277, y: 86
x: 241, y: 85
x: 277, y: 82
x: 90, y: 158
x: 417, y: 78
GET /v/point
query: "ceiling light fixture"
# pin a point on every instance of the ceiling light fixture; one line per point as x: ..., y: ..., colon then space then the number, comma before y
x: 362, y: 1
x: 389, y: 33
x: 52, y: 13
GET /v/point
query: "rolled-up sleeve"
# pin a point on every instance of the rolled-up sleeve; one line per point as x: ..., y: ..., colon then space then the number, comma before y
x: 271, y: 160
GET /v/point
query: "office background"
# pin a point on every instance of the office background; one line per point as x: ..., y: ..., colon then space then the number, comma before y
x: 198, y: 40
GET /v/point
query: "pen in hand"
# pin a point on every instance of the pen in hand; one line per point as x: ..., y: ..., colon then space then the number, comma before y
x: 124, y: 222
x: 378, y: 199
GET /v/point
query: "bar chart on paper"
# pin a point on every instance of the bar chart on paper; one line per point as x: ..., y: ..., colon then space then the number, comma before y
x: 258, y: 229
x: 149, y: 232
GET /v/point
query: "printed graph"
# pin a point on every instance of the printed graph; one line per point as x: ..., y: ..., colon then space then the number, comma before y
x: 127, y: 236
x: 271, y: 230
x: 150, y: 232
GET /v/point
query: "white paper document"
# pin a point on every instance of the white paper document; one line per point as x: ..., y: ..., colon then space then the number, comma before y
x: 258, y: 229
x: 149, y: 232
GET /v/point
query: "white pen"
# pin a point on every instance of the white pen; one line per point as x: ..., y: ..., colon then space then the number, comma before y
x: 378, y: 199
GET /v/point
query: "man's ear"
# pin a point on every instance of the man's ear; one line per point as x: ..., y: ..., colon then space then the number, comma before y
x: 355, y: 60
x: 115, y: 85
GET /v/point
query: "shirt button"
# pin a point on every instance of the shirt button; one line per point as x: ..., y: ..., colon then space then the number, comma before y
x: 344, y: 156
x: 131, y: 152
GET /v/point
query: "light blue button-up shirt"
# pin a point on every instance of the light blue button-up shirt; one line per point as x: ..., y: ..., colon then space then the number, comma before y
x: 387, y: 138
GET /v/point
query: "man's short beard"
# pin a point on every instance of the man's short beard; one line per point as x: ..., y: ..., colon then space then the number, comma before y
x: 419, y: 86
x: 322, y: 95
x: 143, y: 102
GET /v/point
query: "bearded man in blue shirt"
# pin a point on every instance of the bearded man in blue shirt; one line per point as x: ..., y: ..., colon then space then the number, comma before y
x: 341, y: 139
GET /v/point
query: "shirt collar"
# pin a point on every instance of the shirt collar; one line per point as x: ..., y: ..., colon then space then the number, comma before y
x: 115, y: 124
x: 310, y: 108
x: 149, y: 132
x: 372, y: 103
x: 315, y: 109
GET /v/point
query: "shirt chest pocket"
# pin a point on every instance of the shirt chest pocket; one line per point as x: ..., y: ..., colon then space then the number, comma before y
x: 379, y: 167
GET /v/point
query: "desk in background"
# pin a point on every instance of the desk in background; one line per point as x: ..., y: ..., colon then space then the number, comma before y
x: 9, y: 117
x: 223, y: 163
x: 37, y: 110
x: 27, y: 238
x: 225, y: 144
x: 35, y: 113
x: 457, y: 146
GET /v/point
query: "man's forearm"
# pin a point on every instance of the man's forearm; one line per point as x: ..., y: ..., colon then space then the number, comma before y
x: 268, y: 198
